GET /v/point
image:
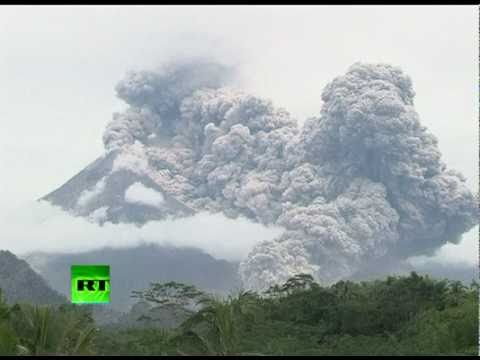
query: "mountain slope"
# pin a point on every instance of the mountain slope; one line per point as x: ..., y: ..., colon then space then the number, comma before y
x: 104, y: 191
x: 135, y: 268
x: 19, y: 283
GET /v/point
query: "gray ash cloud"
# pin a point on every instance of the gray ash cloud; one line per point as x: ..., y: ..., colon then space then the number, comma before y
x: 360, y: 181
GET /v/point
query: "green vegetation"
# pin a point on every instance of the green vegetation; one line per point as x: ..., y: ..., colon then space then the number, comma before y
x: 412, y: 315
x: 45, y: 330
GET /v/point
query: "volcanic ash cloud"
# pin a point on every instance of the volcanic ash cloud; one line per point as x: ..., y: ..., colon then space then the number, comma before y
x: 362, y: 180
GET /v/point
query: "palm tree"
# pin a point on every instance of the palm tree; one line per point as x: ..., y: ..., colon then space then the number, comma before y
x: 44, y: 330
x: 216, y: 326
x: 8, y: 339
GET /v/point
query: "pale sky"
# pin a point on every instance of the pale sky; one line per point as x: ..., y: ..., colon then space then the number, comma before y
x: 59, y: 66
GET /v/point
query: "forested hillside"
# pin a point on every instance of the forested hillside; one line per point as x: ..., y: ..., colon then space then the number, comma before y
x: 395, y: 316
x: 21, y: 284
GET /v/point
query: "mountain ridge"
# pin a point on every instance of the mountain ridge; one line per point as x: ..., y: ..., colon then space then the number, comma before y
x: 20, y: 283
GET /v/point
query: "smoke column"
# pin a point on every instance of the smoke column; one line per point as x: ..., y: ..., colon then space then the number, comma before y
x: 362, y: 180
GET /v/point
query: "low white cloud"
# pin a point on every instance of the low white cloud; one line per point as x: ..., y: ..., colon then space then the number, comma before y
x: 137, y: 193
x: 87, y: 195
x: 41, y: 227
x: 98, y: 215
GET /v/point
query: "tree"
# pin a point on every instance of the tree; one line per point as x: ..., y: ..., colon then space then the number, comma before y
x: 298, y: 282
x: 218, y: 325
x: 171, y: 294
x: 48, y: 330
x: 8, y: 338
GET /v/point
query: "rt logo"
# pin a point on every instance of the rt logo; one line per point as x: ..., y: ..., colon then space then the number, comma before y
x: 90, y: 284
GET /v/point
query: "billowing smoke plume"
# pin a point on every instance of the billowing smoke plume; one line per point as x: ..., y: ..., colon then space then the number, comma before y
x: 155, y: 99
x: 361, y: 181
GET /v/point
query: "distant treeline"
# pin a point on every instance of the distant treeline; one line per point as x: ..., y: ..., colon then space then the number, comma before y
x: 396, y: 316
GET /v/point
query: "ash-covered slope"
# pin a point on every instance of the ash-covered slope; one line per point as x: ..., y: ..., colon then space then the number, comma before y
x: 19, y: 283
x: 361, y: 181
x: 108, y: 190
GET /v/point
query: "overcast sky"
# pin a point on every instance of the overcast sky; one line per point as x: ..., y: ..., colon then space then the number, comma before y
x: 59, y: 65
